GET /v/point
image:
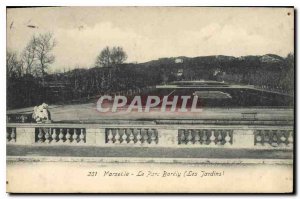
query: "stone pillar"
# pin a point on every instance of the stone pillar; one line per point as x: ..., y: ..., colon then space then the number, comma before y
x: 167, y: 138
x: 25, y: 136
x: 91, y: 136
x: 100, y: 137
x: 243, y: 138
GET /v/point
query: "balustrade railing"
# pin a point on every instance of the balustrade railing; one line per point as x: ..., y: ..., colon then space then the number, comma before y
x: 60, y: 135
x: 273, y: 138
x: 209, y: 137
x: 142, y: 136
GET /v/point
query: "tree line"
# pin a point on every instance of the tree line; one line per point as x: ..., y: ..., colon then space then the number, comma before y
x: 35, y: 58
x: 29, y: 84
x: 29, y: 81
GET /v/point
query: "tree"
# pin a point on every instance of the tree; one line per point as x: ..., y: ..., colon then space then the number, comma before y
x: 28, y: 56
x: 103, y: 59
x: 118, y: 55
x: 109, y: 57
x: 13, y: 65
x: 44, y: 44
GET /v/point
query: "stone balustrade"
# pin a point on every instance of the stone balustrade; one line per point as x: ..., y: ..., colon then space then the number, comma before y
x: 137, y: 136
x: 273, y: 138
x: 205, y: 137
x: 60, y: 135
x: 151, y: 135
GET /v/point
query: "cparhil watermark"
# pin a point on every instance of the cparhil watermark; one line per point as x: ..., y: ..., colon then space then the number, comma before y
x: 181, y: 104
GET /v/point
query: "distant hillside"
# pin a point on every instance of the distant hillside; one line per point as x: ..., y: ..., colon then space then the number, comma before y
x: 267, y: 71
x: 219, y: 59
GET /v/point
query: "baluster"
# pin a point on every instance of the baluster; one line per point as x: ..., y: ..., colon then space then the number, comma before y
x: 197, y: 137
x: 145, y: 136
x: 61, y: 136
x: 47, y: 135
x: 117, y: 137
x: 110, y: 136
x: 204, y: 137
x: 227, y: 139
x: 23, y: 119
x: 131, y: 137
x: 121, y: 135
x: 189, y: 138
x: 124, y: 137
x: 139, y: 136
x: 134, y: 133
x: 181, y: 137
x: 282, y: 139
x: 212, y: 138
x: 155, y: 133
x: 266, y: 138
x: 40, y: 136
x: 258, y: 139
x: 152, y: 137
x: 13, y: 135
x: 128, y: 133
x: 291, y: 139
x: 220, y: 138
x: 81, y: 136
x: 74, y: 137
x: 274, y: 139
x: 185, y: 136
x: 68, y: 136
x: 54, y: 136
x: 149, y: 136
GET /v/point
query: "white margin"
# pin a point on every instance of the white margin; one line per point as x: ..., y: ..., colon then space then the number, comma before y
x: 5, y: 3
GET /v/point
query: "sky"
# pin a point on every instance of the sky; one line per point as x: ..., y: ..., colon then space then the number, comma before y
x: 148, y: 33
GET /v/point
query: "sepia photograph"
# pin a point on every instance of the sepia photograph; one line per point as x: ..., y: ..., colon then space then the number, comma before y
x: 150, y: 99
